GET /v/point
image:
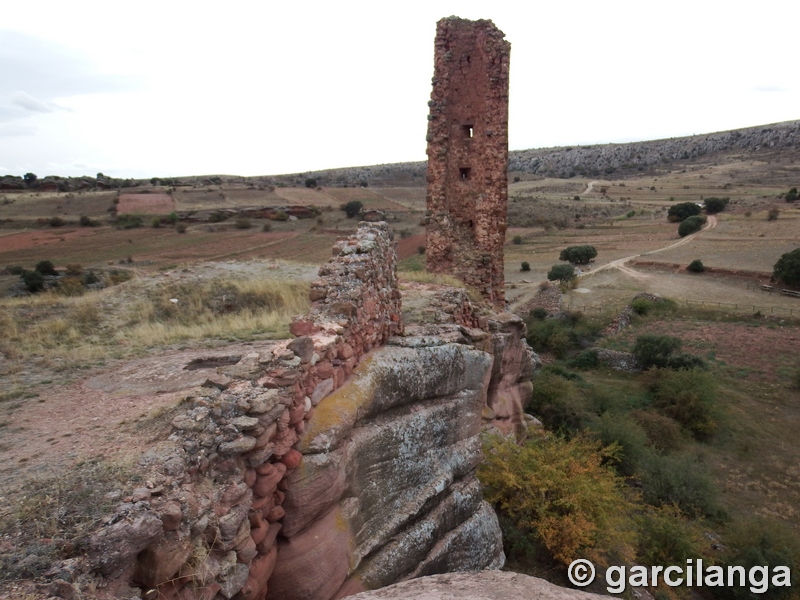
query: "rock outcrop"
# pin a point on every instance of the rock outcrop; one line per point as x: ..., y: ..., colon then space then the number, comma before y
x: 339, y: 461
x: 488, y: 585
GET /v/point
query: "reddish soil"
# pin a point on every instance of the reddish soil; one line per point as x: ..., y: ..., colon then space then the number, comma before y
x: 107, y: 412
x: 32, y: 239
x: 409, y: 246
x: 761, y: 350
x: 145, y: 204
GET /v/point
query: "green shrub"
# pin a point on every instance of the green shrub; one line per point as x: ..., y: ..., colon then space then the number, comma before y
x: 155, y: 222
x: 14, y: 270
x: 90, y: 277
x: 696, y: 266
x: 218, y: 216
x: 630, y: 213
x: 266, y: 227
x: 714, y: 205
x: 311, y: 182
x: 539, y: 313
x: 791, y: 195
x: 772, y: 214
x: 517, y: 240
x: 525, y: 267
x: 652, y: 350
x: 126, y: 221
x: 56, y: 222
x: 85, y: 221
x: 629, y: 437
x: 682, y: 211
x: 420, y: 249
x: 679, y: 480
x: 172, y: 218
x: 243, y: 223
x: 281, y: 216
x: 352, y: 208
x: 33, y: 280
x: 691, y: 225
x: 687, y: 396
x: 787, y: 269
x: 663, y: 433
x: 760, y: 542
x: 585, y: 360
x: 561, y: 272
x: 45, y: 267
x: 556, y: 402
x: 579, y: 255
x: 181, y: 228
x: 666, y: 537
x: 641, y: 306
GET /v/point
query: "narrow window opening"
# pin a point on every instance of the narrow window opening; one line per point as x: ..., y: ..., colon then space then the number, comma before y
x: 470, y: 224
x: 468, y: 131
x: 464, y: 172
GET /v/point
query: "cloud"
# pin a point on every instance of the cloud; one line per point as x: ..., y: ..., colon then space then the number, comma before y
x: 770, y: 89
x: 30, y: 103
x: 46, y: 70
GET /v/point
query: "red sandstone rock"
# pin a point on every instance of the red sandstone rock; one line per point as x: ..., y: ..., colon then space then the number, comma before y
x: 269, y: 541
x: 250, y: 476
x: 276, y: 514
x: 266, y: 484
x: 292, y: 459
x: 246, y: 552
x: 171, y: 516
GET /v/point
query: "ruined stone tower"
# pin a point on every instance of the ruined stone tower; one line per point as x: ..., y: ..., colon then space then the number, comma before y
x: 468, y: 155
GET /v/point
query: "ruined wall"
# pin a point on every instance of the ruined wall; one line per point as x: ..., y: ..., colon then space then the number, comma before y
x: 339, y: 461
x: 206, y: 526
x: 468, y: 155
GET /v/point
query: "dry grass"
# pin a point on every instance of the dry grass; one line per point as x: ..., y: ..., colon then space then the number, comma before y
x: 125, y: 320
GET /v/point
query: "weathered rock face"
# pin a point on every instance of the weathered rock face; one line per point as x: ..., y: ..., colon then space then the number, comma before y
x: 339, y: 461
x: 468, y: 155
x: 386, y: 489
x: 488, y: 585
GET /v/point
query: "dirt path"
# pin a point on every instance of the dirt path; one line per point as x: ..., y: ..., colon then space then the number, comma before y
x: 620, y: 262
x: 589, y: 188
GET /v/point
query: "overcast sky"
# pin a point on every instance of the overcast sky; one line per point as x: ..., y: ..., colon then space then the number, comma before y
x: 138, y: 89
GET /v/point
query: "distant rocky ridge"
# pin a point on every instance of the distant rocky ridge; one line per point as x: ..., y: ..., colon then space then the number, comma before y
x: 604, y: 160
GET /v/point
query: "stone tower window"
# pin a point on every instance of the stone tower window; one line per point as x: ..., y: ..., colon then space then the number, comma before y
x: 469, y: 131
x: 464, y: 172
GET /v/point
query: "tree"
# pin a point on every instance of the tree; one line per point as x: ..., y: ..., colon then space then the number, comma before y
x: 682, y: 211
x: 696, y: 266
x: 352, y: 208
x: 792, y: 195
x: 579, y: 255
x: 30, y: 179
x: 691, y: 225
x: 714, y: 205
x: 311, y: 182
x: 787, y: 269
x: 45, y: 267
x: 525, y: 266
x: 561, y: 272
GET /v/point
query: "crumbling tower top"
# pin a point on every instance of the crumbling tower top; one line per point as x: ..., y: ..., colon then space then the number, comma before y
x: 468, y: 155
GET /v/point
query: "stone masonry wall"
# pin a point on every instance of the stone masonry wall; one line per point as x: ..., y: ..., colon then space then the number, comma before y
x: 468, y: 155
x: 205, y: 524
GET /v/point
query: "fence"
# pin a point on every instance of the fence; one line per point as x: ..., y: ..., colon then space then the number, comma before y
x: 738, y: 307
